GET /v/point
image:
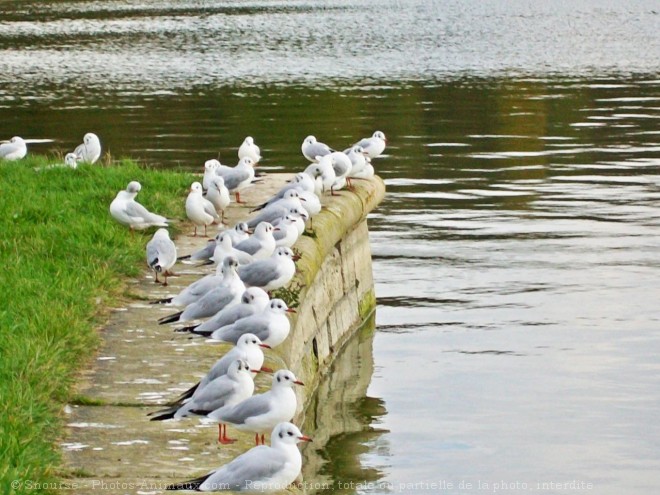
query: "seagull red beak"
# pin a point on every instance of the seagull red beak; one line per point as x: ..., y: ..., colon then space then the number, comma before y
x: 298, y: 382
x: 290, y: 310
x: 276, y: 228
x: 295, y: 257
x: 265, y: 369
x: 305, y: 438
x: 265, y: 346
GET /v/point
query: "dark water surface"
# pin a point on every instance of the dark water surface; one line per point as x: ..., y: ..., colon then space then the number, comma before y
x: 516, y: 255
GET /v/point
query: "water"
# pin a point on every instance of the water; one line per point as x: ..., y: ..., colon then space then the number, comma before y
x: 516, y: 254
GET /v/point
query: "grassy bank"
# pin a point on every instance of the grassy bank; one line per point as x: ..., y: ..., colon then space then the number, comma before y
x: 63, y: 260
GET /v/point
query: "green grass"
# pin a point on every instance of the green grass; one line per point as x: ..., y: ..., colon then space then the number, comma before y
x: 63, y: 259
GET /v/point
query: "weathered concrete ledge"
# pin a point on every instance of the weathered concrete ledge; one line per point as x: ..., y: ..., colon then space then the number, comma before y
x: 111, y: 445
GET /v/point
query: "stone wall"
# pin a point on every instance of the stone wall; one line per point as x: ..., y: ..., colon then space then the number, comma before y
x: 142, y: 365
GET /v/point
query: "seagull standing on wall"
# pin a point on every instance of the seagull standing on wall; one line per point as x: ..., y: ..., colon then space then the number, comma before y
x: 311, y: 149
x: 261, y: 468
x: 199, y: 210
x: 161, y: 254
x: 249, y: 149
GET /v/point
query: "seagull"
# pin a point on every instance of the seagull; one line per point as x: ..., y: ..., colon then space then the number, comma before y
x: 312, y: 149
x: 261, y: 244
x: 225, y: 391
x: 224, y: 248
x: 129, y: 212
x: 161, y: 254
x: 71, y: 160
x: 90, y: 150
x: 196, y: 290
x: 218, y: 195
x: 253, y: 301
x: 238, y: 233
x: 328, y: 176
x: 210, y: 167
x: 278, y: 209
x: 373, y: 146
x: 315, y: 172
x: 358, y: 158
x: 271, y: 325
x: 199, y: 210
x: 249, y: 149
x: 271, y: 273
x: 287, y: 233
x: 301, y: 182
x: 260, y: 413
x: 261, y: 468
x: 14, y: 149
x: 342, y: 166
x: 300, y: 215
x: 366, y: 173
x: 247, y: 349
x: 239, y: 177
x: 226, y: 294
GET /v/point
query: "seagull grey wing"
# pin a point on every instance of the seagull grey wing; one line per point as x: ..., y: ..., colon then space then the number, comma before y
x: 214, y: 395
x: 231, y: 333
x: 280, y: 234
x: 205, y: 253
x: 258, y: 464
x: 226, y: 317
x: 136, y: 210
x: 153, y: 254
x: 268, y: 214
x: 80, y: 151
x: 249, y: 408
x: 208, y: 305
x: 235, y: 178
x: 258, y: 274
x: 250, y: 245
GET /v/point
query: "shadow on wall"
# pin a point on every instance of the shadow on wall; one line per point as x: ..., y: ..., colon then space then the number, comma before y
x: 342, y: 417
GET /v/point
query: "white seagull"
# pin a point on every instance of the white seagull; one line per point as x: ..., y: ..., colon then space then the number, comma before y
x: 312, y: 149
x: 210, y: 167
x: 271, y: 273
x: 225, y: 391
x: 239, y: 177
x: 199, y: 210
x: 247, y: 349
x: 14, y: 149
x: 261, y: 244
x: 261, y: 468
x: 253, y: 301
x: 129, y: 212
x: 249, y: 149
x: 271, y: 325
x: 226, y: 294
x: 373, y: 146
x: 90, y: 149
x: 260, y: 413
x: 224, y: 248
x: 218, y: 195
x: 161, y: 254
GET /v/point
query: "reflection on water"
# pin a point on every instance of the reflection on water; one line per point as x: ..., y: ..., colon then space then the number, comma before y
x: 345, y: 421
x: 516, y: 254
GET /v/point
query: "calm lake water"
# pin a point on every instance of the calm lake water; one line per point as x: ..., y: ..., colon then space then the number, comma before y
x: 516, y: 255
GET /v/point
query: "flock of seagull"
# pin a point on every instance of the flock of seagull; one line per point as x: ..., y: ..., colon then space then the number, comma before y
x: 87, y: 152
x: 252, y: 258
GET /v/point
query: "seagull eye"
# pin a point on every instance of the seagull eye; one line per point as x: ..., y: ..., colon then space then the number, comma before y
x: 281, y: 436
x: 290, y: 433
x: 286, y: 377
